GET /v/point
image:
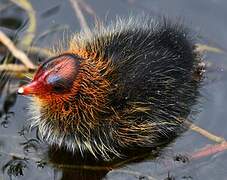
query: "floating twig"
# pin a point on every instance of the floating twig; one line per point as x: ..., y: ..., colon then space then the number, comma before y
x: 134, y: 173
x: 86, y: 167
x: 210, y: 150
x: 20, y: 156
x: 60, y: 166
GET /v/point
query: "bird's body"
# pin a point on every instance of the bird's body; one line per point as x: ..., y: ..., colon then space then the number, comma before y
x: 128, y: 85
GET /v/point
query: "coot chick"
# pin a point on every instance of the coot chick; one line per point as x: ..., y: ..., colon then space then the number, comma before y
x: 124, y: 86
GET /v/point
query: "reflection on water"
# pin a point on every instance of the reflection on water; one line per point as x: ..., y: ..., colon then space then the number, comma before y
x: 25, y: 156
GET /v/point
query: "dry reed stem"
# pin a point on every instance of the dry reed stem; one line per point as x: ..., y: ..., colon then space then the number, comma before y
x: 6, y: 6
x: 38, y: 50
x: 203, y: 132
x: 16, y: 52
x: 203, y: 48
x: 30, y: 34
x: 87, y: 8
x: 14, y: 68
x: 80, y: 16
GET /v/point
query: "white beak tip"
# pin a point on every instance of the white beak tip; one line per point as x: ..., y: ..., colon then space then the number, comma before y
x: 20, y: 90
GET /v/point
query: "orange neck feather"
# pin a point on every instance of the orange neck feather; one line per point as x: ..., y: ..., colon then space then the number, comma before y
x: 86, y: 99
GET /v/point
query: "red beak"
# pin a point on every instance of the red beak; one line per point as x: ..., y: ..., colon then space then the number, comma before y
x: 28, y: 89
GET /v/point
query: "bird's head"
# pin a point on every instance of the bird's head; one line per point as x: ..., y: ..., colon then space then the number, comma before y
x: 68, y: 89
x: 54, y: 79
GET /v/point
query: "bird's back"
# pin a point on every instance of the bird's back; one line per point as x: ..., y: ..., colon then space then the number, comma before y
x: 154, y: 63
x: 153, y: 84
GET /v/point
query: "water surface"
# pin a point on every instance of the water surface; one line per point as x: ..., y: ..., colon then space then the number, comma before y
x: 206, y: 18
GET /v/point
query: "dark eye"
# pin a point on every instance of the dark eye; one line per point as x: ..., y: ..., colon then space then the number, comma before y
x: 57, y: 83
x: 58, y: 88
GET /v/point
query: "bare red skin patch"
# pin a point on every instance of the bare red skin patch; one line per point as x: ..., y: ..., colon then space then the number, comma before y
x: 53, y: 76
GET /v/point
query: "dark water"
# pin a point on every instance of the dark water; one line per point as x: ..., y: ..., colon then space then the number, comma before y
x: 207, y: 18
